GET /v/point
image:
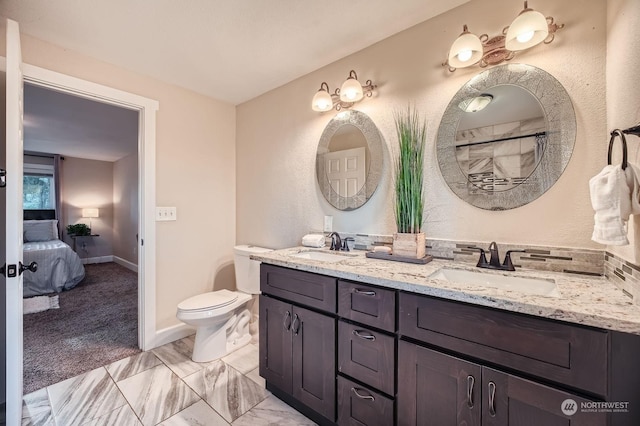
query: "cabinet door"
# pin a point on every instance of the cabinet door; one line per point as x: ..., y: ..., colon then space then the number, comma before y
x: 513, y: 401
x: 275, y: 342
x: 437, y: 389
x: 314, y: 362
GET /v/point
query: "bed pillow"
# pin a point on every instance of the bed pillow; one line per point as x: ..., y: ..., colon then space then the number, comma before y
x: 40, y: 230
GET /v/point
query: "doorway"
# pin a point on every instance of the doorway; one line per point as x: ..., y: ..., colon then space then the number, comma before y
x: 147, y: 109
x: 81, y: 168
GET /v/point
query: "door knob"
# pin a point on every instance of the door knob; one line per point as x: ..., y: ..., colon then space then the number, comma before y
x: 32, y: 267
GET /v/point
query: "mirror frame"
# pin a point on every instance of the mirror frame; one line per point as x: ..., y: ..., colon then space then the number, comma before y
x: 374, y: 171
x: 561, y: 134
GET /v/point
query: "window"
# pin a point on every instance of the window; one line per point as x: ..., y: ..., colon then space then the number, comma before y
x: 38, y: 187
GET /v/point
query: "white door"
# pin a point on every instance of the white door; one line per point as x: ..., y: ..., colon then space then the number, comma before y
x: 346, y: 171
x: 12, y: 213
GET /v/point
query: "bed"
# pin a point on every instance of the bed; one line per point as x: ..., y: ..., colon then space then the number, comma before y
x: 59, y: 267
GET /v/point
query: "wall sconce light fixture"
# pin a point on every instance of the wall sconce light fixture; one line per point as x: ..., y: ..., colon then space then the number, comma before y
x: 346, y: 96
x: 527, y: 30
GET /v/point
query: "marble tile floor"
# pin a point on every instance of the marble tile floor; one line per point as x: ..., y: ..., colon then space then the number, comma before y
x: 163, y: 387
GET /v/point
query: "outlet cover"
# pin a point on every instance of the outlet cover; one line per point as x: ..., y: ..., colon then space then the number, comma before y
x: 166, y: 214
x: 328, y: 224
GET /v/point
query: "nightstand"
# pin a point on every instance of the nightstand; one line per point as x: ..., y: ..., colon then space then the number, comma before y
x: 75, y: 237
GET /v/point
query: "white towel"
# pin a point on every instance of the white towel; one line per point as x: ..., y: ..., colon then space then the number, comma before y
x: 313, y: 240
x: 615, y: 194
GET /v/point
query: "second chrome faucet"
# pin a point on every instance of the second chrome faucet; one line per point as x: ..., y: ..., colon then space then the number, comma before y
x: 494, y: 260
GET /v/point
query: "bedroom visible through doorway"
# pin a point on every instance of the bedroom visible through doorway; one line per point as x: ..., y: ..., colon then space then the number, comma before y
x: 81, y: 211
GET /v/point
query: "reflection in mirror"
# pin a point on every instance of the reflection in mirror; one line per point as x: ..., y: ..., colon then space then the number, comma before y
x: 512, y: 151
x: 349, y: 160
x: 500, y: 146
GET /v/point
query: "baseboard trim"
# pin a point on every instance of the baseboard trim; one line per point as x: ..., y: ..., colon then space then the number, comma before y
x: 129, y: 265
x: 171, y: 334
x: 99, y: 259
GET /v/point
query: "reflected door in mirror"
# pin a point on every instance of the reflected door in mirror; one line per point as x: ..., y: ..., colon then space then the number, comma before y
x: 346, y: 171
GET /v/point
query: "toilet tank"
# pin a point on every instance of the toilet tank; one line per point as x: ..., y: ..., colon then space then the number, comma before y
x: 247, y: 270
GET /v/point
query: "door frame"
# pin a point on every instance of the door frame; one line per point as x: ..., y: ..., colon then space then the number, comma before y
x: 147, y: 109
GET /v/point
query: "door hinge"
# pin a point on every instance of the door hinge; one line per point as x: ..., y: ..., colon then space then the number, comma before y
x: 3, y: 178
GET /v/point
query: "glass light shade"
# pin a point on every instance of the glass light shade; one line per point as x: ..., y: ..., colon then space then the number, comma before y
x: 351, y: 90
x: 465, y: 51
x: 476, y: 104
x: 90, y: 213
x: 322, y: 101
x: 527, y: 30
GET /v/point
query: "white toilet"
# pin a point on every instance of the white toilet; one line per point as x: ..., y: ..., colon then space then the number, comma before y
x: 222, y: 317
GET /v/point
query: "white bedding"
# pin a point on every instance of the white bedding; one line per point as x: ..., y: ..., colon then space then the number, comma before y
x: 59, y: 267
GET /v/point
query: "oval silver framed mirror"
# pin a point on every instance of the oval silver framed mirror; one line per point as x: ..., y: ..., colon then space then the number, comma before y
x: 349, y: 160
x: 512, y: 151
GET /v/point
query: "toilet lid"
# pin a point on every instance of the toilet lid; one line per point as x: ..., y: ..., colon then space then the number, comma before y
x: 211, y: 300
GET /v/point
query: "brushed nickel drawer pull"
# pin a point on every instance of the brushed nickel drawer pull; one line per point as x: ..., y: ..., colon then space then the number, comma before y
x: 354, y: 390
x: 364, y: 336
x: 470, y: 382
x: 492, y: 399
x: 287, y: 321
x: 364, y: 292
x: 295, y: 326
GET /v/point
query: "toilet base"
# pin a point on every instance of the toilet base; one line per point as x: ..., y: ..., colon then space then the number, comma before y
x: 213, y: 342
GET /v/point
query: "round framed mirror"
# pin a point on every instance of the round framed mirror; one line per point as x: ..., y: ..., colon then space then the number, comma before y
x: 506, y: 137
x: 349, y: 160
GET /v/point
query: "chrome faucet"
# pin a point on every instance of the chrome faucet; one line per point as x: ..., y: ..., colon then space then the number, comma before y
x: 336, y: 242
x: 494, y: 260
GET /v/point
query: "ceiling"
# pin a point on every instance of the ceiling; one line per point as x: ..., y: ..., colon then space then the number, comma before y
x: 231, y: 50
x: 59, y: 123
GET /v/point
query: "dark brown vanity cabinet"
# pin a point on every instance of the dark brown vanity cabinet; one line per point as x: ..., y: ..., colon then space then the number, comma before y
x: 439, y: 389
x: 351, y: 353
x: 297, y: 345
x: 366, y: 354
x: 517, y: 369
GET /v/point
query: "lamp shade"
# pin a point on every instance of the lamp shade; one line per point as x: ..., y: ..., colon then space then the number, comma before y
x: 466, y: 50
x: 527, y: 30
x: 322, y: 101
x: 90, y: 213
x: 351, y: 90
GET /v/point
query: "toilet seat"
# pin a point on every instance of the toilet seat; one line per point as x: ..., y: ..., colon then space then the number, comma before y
x: 208, y: 301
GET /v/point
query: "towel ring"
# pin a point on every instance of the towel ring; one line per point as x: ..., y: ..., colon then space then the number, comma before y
x: 618, y: 132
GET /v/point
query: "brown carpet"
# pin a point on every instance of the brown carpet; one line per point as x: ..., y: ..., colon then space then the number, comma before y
x: 97, y: 324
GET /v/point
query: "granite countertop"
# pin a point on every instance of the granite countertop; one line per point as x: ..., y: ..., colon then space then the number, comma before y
x: 592, y: 301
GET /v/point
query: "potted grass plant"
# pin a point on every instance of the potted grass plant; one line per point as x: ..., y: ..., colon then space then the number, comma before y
x: 409, y: 241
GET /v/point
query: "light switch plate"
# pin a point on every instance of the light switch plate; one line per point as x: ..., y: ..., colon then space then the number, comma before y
x: 166, y: 214
x: 328, y: 224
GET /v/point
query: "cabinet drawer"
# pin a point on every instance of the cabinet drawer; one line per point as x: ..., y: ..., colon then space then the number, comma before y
x: 367, y: 356
x: 317, y: 291
x: 366, y: 304
x: 570, y: 355
x: 359, y: 405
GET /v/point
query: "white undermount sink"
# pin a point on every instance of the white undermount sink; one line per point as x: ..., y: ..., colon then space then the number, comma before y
x: 536, y: 286
x: 320, y: 256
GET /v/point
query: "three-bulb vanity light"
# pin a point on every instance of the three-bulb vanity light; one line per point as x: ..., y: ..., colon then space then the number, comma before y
x: 527, y: 30
x: 346, y: 96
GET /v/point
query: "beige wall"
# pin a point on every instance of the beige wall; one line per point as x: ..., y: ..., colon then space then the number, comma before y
x: 125, y: 208
x: 195, y: 171
x: 623, y: 93
x: 277, y: 134
x: 88, y: 184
